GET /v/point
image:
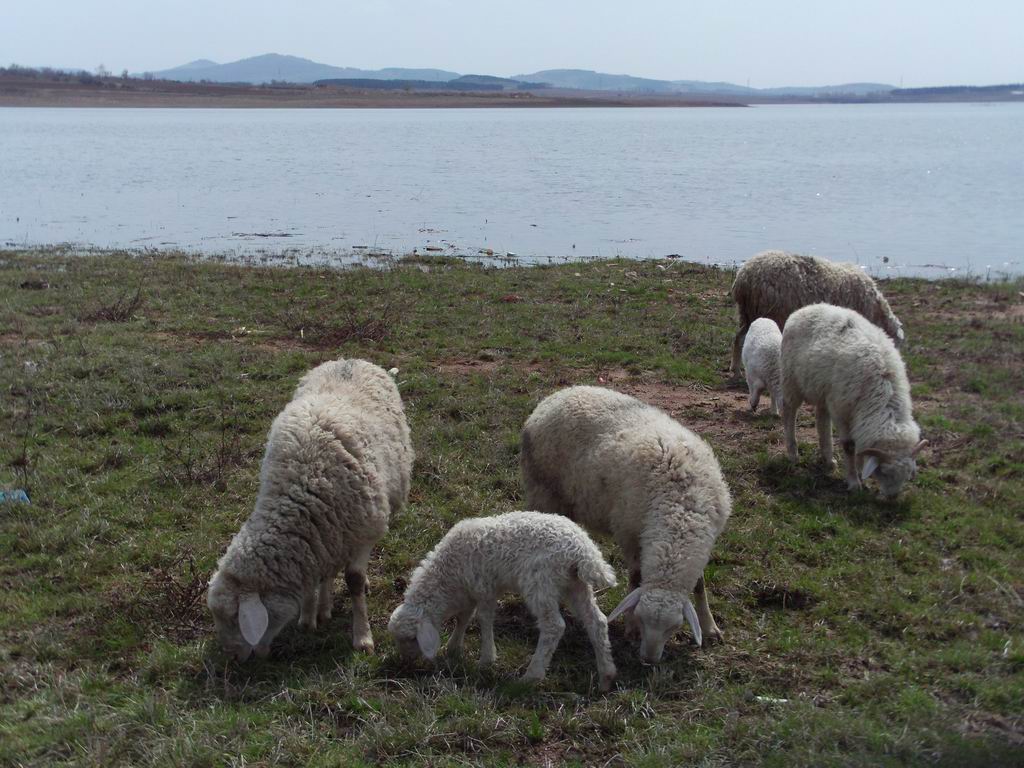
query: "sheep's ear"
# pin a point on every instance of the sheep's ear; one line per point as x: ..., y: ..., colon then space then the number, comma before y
x: 917, y: 448
x: 693, y: 621
x: 252, y: 618
x: 628, y: 604
x: 870, y: 465
x: 428, y: 638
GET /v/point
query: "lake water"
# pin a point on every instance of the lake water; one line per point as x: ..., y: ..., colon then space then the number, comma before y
x: 901, y: 189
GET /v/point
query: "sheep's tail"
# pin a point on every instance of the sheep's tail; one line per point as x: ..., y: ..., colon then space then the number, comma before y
x: 593, y: 570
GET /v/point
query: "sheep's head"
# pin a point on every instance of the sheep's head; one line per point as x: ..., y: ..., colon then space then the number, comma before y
x: 413, y: 633
x: 890, y: 470
x: 246, y: 621
x: 661, y: 613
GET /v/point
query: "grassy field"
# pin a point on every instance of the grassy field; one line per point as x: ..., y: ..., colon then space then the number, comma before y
x: 137, y: 394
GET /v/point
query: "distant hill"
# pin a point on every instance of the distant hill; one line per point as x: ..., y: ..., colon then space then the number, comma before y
x: 587, y: 80
x: 292, y: 69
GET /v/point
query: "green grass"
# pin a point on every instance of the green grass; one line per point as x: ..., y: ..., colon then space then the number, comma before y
x: 857, y: 632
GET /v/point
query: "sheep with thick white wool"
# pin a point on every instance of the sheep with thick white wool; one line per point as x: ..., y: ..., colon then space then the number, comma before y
x: 761, y: 352
x: 617, y: 465
x: 546, y: 559
x: 337, y: 464
x: 775, y: 284
x: 852, y: 373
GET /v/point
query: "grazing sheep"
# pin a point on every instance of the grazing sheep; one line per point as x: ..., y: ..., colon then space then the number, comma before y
x: 546, y: 559
x: 617, y: 465
x: 761, y: 351
x: 337, y: 463
x: 775, y: 284
x: 852, y: 373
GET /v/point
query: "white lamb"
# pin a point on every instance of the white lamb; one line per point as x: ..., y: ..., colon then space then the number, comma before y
x: 617, y: 465
x: 546, y: 559
x: 337, y: 464
x: 851, y: 372
x: 761, y: 350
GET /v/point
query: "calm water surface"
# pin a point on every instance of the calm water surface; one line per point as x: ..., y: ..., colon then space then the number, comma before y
x: 918, y: 189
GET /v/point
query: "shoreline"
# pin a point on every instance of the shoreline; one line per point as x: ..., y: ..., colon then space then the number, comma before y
x: 313, y: 257
x: 166, y: 94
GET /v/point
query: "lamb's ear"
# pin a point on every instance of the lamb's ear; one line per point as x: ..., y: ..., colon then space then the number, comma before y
x: 870, y: 464
x: 428, y: 638
x: 628, y: 604
x: 252, y: 618
x: 917, y: 449
x: 693, y: 621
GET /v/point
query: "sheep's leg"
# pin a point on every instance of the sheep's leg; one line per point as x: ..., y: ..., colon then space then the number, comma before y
x: 776, y: 394
x: 737, y: 350
x: 485, y: 616
x: 307, y: 611
x: 824, y: 423
x: 708, y: 628
x: 355, y: 580
x: 790, y: 405
x: 584, y: 607
x: 755, y: 394
x: 454, y: 646
x: 849, y: 457
x: 325, y: 602
x: 632, y: 623
x: 552, y: 626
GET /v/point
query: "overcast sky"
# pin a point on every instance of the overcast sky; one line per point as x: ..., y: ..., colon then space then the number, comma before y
x: 785, y: 42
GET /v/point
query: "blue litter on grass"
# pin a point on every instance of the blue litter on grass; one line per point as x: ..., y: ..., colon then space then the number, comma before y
x: 18, y: 494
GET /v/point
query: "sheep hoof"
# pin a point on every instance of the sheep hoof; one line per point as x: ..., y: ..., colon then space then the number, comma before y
x: 307, y: 624
x: 714, y: 637
x: 365, y: 644
x: 853, y: 485
x: 532, y: 677
x: 323, y: 617
x: 453, y: 652
x: 607, y: 683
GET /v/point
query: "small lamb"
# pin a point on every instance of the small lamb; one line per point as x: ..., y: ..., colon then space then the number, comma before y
x: 761, y: 351
x: 548, y: 560
x: 337, y: 464
x: 850, y: 370
x: 620, y: 466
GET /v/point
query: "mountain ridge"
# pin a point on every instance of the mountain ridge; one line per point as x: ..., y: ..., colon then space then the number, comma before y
x: 270, y: 67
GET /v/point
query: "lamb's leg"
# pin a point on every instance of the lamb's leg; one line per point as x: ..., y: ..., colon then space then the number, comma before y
x: 824, y: 423
x: 584, y: 607
x: 755, y: 394
x: 485, y: 617
x: 632, y: 623
x: 552, y: 626
x: 325, y: 602
x: 849, y: 457
x: 307, y: 611
x: 708, y: 628
x: 776, y: 394
x: 790, y: 405
x: 454, y: 646
x: 355, y: 580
